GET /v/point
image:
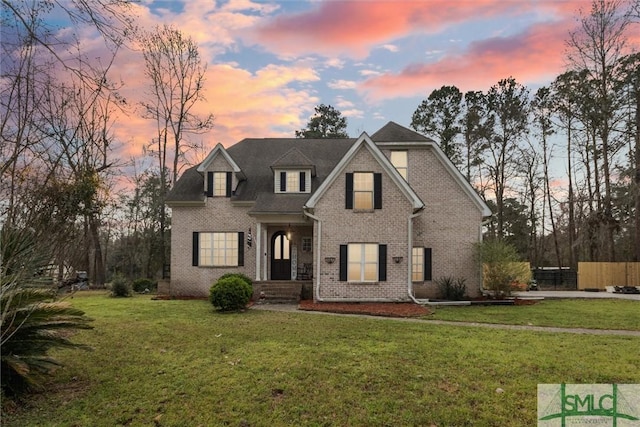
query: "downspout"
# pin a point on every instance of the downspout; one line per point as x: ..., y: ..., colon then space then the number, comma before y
x: 316, y: 273
x: 317, y: 296
x: 481, y: 279
x: 410, y: 254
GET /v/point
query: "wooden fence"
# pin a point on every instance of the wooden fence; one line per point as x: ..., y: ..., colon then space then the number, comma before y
x: 598, y: 275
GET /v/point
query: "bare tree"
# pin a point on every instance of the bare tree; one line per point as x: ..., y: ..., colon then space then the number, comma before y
x: 596, y: 47
x: 629, y: 80
x: 176, y: 75
x: 508, y: 103
x: 542, y: 111
x: 77, y: 120
x: 529, y: 169
x: 565, y: 100
x: 36, y: 21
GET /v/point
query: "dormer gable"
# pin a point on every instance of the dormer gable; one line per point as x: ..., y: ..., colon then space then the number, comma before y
x: 219, y: 170
x: 218, y: 150
x: 292, y: 173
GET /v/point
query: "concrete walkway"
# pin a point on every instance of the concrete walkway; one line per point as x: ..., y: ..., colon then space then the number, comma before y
x: 611, y: 332
x: 577, y: 294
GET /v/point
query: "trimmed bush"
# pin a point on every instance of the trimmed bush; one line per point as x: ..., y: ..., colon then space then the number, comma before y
x: 141, y: 285
x: 451, y: 289
x: 120, y: 287
x: 230, y: 294
x: 241, y: 276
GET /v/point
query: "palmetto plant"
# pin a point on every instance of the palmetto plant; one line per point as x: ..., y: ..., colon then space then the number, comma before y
x: 32, y: 321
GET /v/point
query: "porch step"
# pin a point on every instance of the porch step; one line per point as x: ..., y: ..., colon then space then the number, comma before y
x: 277, y: 292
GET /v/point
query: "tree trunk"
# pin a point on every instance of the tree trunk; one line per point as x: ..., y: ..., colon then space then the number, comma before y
x: 572, y: 221
x: 637, y: 178
x: 99, y: 272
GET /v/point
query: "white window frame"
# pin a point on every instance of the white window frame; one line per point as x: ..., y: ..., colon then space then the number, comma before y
x: 219, y: 184
x: 293, y: 181
x: 218, y: 249
x: 363, y: 191
x: 403, y: 169
x: 357, y: 262
x: 292, y: 177
x: 417, y: 264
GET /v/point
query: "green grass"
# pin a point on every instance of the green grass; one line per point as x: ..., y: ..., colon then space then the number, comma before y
x: 574, y: 313
x: 179, y: 363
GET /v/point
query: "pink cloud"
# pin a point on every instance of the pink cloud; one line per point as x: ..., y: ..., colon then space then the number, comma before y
x: 353, y: 28
x: 533, y: 56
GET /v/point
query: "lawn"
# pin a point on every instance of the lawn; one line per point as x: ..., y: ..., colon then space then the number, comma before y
x: 573, y: 313
x: 179, y: 363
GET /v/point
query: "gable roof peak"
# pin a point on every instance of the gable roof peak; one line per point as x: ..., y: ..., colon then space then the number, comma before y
x: 218, y: 149
x: 365, y: 141
x: 292, y: 158
x: 393, y: 132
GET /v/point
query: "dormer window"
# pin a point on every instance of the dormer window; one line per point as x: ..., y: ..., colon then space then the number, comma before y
x: 219, y: 184
x: 292, y: 181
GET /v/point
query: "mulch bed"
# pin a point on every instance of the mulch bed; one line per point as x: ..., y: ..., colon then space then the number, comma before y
x: 387, y: 309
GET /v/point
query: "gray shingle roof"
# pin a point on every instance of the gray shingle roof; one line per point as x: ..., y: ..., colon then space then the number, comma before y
x: 255, y: 157
x: 393, y: 132
x: 188, y: 188
x: 293, y: 158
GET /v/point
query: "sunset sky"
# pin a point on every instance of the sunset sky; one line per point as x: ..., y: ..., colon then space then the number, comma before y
x: 271, y: 62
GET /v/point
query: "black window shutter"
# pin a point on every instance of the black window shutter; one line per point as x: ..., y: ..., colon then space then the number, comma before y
x: 283, y: 181
x: 343, y: 263
x: 209, y: 184
x: 241, y: 248
x: 303, y: 181
x: 348, y: 191
x: 382, y: 263
x: 229, y: 182
x: 196, y: 249
x: 427, y: 264
x: 377, y: 191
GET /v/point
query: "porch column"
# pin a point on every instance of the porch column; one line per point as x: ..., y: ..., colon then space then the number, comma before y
x: 264, y: 253
x: 258, y: 249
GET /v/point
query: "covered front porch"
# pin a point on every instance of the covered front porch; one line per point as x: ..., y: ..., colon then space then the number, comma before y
x: 284, y: 249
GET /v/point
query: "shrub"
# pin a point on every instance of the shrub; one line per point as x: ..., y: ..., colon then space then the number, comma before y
x: 142, y: 285
x: 501, y: 267
x: 452, y: 289
x: 120, y: 286
x: 230, y: 293
x: 243, y: 277
x: 32, y: 321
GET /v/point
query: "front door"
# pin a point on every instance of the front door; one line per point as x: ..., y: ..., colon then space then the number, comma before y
x: 280, y: 257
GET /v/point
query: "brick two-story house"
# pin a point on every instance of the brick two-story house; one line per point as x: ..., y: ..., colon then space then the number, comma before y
x: 377, y: 218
